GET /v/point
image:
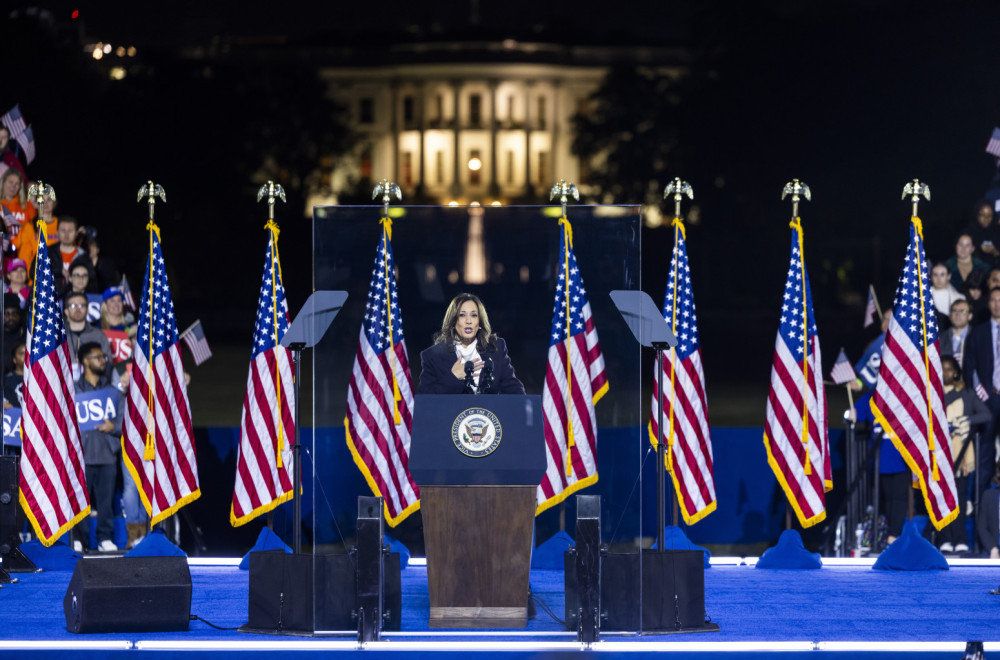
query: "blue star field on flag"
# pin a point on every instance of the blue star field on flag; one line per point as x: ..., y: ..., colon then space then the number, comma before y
x: 687, y: 320
x: 577, y: 299
x: 906, y: 308
x: 383, y: 284
x: 161, y: 312
x: 791, y: 307
x: 271, y: 292
x: 47, y: 329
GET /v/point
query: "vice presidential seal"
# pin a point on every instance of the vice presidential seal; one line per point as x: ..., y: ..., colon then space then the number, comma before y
x: 476, y: 432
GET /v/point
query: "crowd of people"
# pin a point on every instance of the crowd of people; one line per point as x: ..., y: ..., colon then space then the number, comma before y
x: 965, y: 288
x: 100, y: 335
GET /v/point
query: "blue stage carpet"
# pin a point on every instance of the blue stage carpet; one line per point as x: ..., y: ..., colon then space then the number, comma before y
x: 769, y: 607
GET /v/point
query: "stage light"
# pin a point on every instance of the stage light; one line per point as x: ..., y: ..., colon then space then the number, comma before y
x: 117, y: 73
x: 474, y: 204
x: 75, y: 14
x: 475, y: 164
x: 120, y: 51
x: 98, y: 53
x: 452, y: 203
x: 107, y: 49
x: 496, y: 203
x: 131, y: 51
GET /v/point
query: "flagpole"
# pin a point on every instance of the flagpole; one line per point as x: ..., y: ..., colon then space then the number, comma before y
x: 387, y: 189
x: 273, y: 192
x: 679, y: 188
x: 915, y: 190
x: 151, y: 191
x: 799, y: 190
x: 564, y: 190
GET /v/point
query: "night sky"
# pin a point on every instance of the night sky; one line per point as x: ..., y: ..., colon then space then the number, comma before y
x: 855, y: 98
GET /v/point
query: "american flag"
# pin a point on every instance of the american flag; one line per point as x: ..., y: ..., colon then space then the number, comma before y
x: 14, y: 121
x: 264, y: 477
x: 380, y: 395
x: 909, y: 389
x: 572, y: 387
x: 871, y: 307
x: 993, y: 146
x: 842, y: 371
x: 127, y: 298
x: 685, y: 408
x: 795, y: 428
x: 53, y: 486
x: 195, y: 339
x: 157, y: 438
x: 26, y: 139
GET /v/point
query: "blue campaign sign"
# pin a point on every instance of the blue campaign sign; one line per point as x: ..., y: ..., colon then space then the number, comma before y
x: 12, y: 427
x: 94, y: 301
x: 867, y: 366
x: 92, y: 408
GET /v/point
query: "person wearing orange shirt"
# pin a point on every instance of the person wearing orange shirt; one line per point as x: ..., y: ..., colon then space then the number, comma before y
x: 19, y: 215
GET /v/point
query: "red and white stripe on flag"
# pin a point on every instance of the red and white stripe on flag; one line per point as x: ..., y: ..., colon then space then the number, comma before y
x: 685, y: 407
x: 909, y: 394
x: 157, y: 435
x: 264, y: 469
x: 380, y: 394
x: 53, y: 488
x: 572, y: 387
x: 795, y: 426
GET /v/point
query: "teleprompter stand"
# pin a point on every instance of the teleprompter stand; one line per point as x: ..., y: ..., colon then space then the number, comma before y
x: 667, y: 585
x: 306, y: 330
x: 298, y: 594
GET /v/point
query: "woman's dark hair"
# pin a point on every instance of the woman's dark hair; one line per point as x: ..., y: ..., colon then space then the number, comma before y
x: 484, y: 338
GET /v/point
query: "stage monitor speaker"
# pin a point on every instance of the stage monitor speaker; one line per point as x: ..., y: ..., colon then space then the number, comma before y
x: 673, y: 592
x: 281, y: 593
x: 129, y: 594
x: 8, y: 504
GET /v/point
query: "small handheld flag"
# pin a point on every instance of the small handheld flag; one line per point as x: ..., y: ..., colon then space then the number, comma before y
x: 993, y: 146
x: 872, y: 311
x: 842, y: 371
x: 195, y: 339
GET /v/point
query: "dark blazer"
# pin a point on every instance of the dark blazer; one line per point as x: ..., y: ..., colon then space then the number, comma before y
x: 979, y: 355
x: 945, y: 344
x: 436, y: 376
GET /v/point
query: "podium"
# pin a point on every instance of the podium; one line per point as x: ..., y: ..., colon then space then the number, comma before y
x: 478, y: 460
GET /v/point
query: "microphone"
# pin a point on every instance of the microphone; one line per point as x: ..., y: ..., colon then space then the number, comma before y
x: 486, y: 377
x: 470, y: 384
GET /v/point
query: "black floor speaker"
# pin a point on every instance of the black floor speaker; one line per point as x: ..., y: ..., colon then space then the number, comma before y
x: 282, y: 588
x: 129, y: 594
x: 673, y: 592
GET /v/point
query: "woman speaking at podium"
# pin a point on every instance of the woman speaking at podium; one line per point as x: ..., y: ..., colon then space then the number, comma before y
x: 466, y: 356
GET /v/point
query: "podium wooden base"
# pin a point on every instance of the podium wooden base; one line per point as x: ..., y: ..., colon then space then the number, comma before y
x: 478, y: 544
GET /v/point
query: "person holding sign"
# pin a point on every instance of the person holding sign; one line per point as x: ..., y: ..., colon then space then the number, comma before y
x: 100, y: 430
